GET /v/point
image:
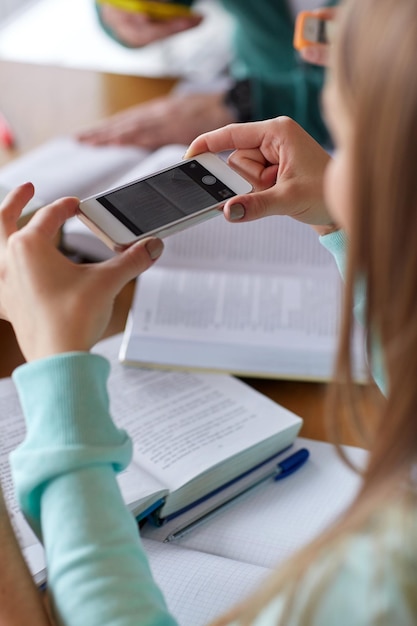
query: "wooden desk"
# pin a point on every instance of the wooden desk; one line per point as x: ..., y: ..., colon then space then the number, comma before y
x: 41, y: 102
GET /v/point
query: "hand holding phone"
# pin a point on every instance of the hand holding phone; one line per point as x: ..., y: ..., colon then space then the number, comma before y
x: 313, y: 34
x: 163, y: 203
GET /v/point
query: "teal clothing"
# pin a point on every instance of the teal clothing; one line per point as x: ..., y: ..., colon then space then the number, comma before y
x: 98, y: 573
x: 282, y: 84
x: 336, y: 244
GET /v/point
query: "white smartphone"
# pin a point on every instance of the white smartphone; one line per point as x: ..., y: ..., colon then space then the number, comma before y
x: 163, y: 203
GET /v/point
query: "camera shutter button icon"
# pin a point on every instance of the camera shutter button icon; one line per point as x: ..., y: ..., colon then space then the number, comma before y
x: 209, y: 180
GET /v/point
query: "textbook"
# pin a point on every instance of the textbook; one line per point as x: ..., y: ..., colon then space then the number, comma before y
x: 197, y: 438
x: 254, y: 299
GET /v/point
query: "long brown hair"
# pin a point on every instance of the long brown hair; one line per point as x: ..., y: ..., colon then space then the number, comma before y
x: 375, y: 69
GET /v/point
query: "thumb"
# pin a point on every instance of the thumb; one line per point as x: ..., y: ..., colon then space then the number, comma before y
x: 256, y: 205
x: 127, y: 265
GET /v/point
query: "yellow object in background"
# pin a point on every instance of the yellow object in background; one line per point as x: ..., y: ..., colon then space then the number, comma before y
x: 155, y: 10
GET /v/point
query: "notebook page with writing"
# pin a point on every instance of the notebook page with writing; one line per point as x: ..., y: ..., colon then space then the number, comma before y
x: 270, y: 523
x: 199, y: 587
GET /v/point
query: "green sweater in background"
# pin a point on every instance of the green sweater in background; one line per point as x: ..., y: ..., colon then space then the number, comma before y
x: 281, y: 83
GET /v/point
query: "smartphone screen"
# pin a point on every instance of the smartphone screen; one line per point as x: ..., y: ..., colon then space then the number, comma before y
x: 166, y: 197
x: 315, y: 30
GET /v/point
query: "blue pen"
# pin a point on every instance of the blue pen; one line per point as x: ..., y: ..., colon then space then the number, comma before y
x: 291, y: 464
x: 283, y: 469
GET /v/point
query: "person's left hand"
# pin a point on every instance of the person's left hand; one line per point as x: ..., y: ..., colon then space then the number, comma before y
x: 54, y: 304
x: 176, y: 118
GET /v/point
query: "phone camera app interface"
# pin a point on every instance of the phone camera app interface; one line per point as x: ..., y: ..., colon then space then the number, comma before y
x: 166, y: 197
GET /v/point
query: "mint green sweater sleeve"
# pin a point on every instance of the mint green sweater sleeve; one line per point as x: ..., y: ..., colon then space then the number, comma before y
x: 336, y: 243
x: 64, y: 473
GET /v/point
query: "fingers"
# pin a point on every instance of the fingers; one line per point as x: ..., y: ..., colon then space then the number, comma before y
x: 231, y: 137
x: 127, y: 265
x: 49, y: 220
x: 127, y: 127
x: 250, y: 207
x: 256, y: 145
x: 253, y: 166
x: 164, y: 28
x: 12, y: 206
x: 326, y: 13
x: 317, y: 54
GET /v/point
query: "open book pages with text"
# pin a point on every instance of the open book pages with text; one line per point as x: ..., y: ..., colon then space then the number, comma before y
x: 255, y: 299
x: 192, y: 433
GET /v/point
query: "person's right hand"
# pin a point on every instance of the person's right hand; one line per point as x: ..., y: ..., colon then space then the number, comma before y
x: 177, y: 118
x: 53, y: 304
x: 138, y: 29
x: 284, y: 164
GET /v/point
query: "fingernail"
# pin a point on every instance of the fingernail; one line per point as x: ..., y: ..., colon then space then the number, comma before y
x: 154, y: 248
x: 236, y: 211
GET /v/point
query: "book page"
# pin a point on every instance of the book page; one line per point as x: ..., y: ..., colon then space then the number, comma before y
x: 284, y: 311
x: 12, y: 432
x: 271, y: 522
x: 261, y: 298
x: 199, y: 587
x: 256, y: 283
x: 272, y: 244
x: 185, y: 424
x: 65, y: 167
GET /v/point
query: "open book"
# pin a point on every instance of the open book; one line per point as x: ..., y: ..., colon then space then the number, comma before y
x: 256, y: 299
x: 198, y: 439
